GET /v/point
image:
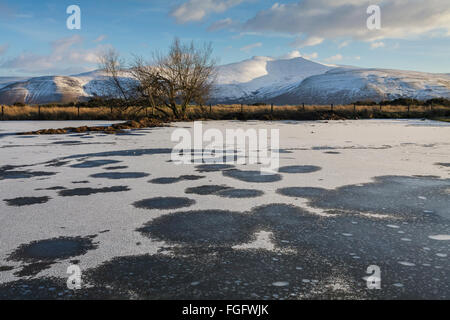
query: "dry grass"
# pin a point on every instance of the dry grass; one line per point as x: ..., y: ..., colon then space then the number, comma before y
x: 228, y: 112
x: 57, y: 113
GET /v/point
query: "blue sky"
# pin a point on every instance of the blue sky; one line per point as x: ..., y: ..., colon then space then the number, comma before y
x: 414, y: 34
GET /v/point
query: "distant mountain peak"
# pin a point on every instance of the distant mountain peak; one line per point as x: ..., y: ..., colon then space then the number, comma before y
x: 292, y: 80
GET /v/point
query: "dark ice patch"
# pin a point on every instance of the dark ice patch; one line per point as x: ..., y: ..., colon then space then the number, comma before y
x: 70, y: 143
x: 51, y: 188
x: 409, y: 197
x: 191, y: 177
x: 130, y: 133
x: 26, y: 201
x: 240, y: 193
x: 226, y: 275
x: 33, y: 269
x: 164, y: 203
x: 320, y: 148
x: 94, y: 163
x: 213, y: 167
x: 206, y: 190
x: 6, y: 268
x: 207, y: 227
x: 165, y: 180
x: 55, y: 249
x: 90, y: 191
x: 120, y: 175
x: 40, y: 255
x: 116, y: 168
x: 171, y: 180
x: 299, y: 169
x: 235, y: 275
x: 122, y: 153
x: 443, y: 164
x: 281, y: 217
x: 251, y: 176
x: 301, y: 192
x: 56, y: 163
x: 6, y: 174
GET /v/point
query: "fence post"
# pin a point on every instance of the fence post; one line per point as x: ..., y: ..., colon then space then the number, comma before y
x: 3, y: 113
x: 303, y: 106
x: 210, y: 109
x: 409, y: 110
x: 242, y: 108
x: 111, y: 110
x: 39, y: 112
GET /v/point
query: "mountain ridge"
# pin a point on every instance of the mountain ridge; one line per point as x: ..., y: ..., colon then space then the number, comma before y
x: 258, y: 79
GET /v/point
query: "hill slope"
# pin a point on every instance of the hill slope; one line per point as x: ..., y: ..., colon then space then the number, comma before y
x: 343, y: 86
x: 259, y: 79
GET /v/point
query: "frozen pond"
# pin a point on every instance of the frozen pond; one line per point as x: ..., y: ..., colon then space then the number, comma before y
x: 349, y: 194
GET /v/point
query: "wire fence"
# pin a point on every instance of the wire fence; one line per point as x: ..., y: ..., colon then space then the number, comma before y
x: 262, y: 111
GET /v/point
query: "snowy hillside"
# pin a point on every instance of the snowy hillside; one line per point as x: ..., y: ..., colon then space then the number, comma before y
x: 344, y: 85
x: 262, y: 78
x: 59, y: 88
x: 259, y: 79
x: 4, y: 81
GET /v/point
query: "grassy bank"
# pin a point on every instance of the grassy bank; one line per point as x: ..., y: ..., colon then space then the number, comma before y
x: 228, y: 112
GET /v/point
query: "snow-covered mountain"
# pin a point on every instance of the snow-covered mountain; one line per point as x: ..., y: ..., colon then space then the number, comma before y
x: 347, y: 85
x: 59, y: 88
x: 4, y: 81
x: 259, y: 79
x: 262, y: 78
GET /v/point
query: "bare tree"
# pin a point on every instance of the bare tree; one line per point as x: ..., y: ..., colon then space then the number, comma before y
x: 148, y: 85
x: 114, y: 67
x: 174, y: 80
x: 183, y: 76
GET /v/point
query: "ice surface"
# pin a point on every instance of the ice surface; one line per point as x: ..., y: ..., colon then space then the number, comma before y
x: 367, y: 150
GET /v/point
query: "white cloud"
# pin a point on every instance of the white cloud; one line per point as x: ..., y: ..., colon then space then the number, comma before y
x: 347, y: 19
x: 196, y: 10
x: 308, y: 42
x: 252, y: 46
x: 343, y: 44
x: 100, y: 38
x: 376, y: 45
x: 335, y: 58
x: 313, y: 55
x: 221, y: 24
x: 291, y: 55
x: 66, y: 55
x: 297, y: 54
x: 3, y: 48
